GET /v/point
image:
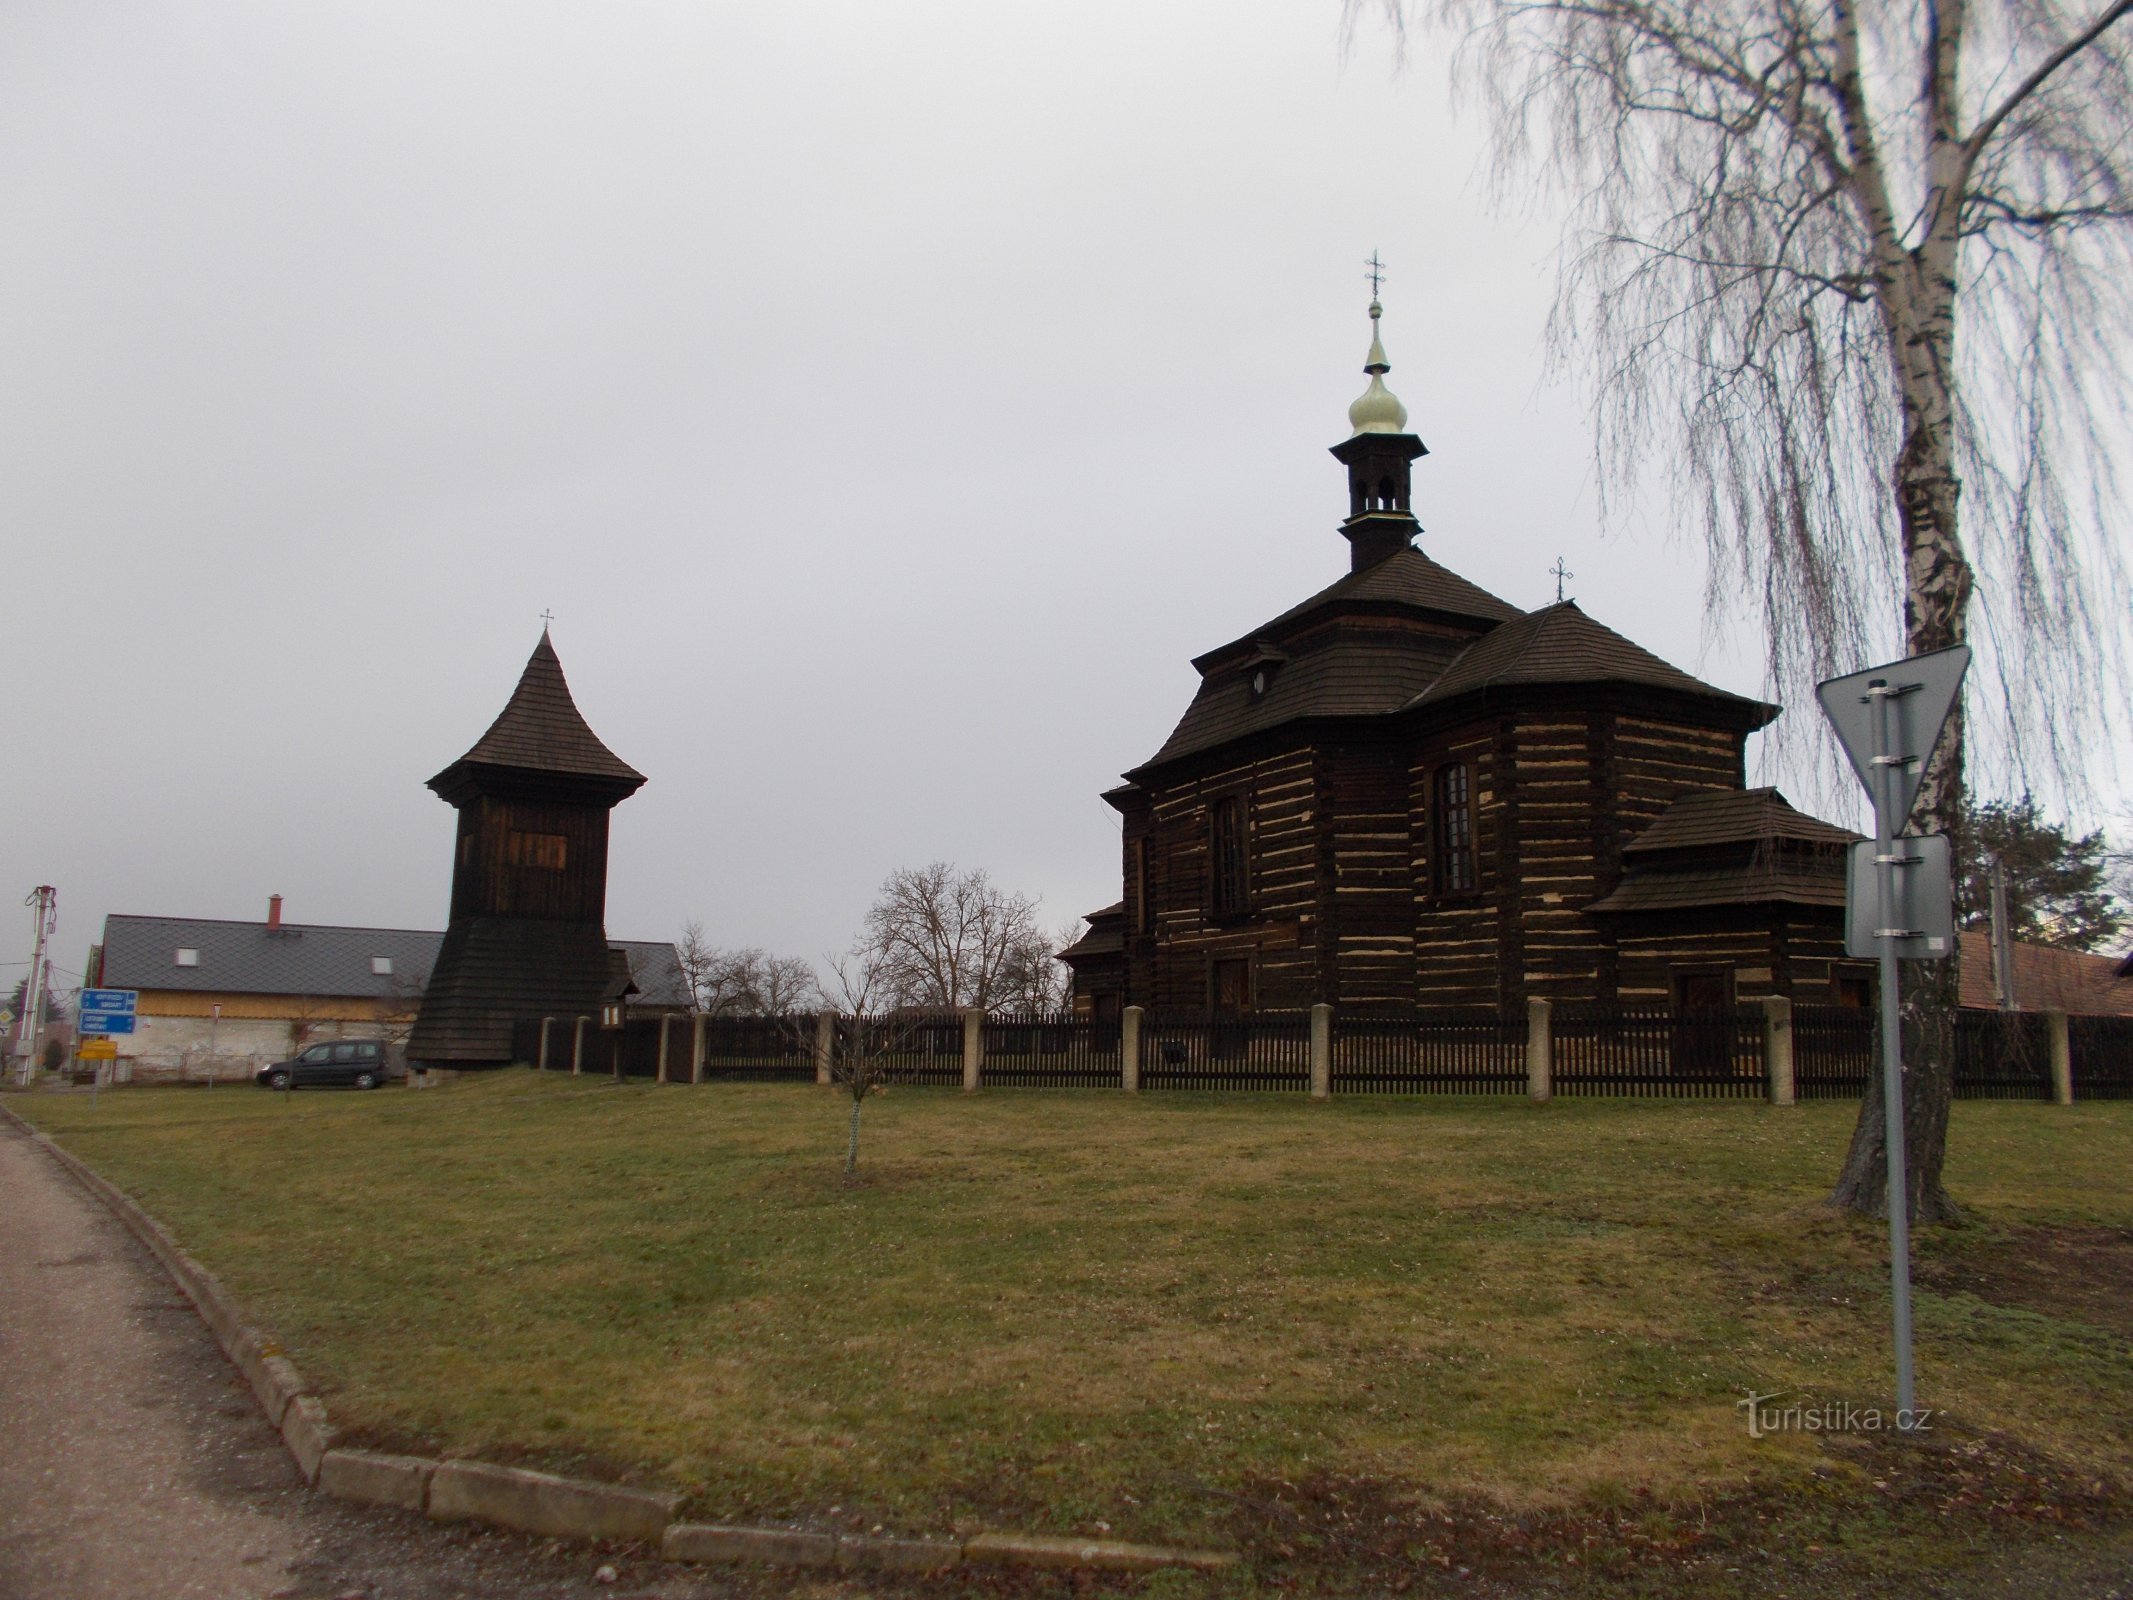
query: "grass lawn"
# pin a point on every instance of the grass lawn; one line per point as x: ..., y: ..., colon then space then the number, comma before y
x: 1375, y: 1343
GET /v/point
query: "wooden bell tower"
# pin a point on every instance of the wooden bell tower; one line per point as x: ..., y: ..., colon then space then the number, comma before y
x: 527, y: 936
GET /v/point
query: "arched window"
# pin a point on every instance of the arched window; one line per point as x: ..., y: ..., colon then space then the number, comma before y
x: 1455, y: 830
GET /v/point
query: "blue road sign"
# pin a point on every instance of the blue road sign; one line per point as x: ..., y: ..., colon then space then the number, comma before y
x: 107, y: 1011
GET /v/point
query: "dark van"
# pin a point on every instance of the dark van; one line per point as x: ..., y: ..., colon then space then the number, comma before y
x: 359, y: 1063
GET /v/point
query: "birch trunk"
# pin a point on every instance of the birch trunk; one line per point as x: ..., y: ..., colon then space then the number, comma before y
x: 1916, y: 292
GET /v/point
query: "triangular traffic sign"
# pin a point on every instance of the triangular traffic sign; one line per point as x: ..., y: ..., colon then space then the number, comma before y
x: 1928, y: 685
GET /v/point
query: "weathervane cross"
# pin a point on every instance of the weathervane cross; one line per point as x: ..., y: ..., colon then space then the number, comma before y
x: 1561, y: 572
x: 1377, y: 273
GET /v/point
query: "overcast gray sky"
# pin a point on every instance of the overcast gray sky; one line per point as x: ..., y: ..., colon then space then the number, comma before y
x: 888, y: 402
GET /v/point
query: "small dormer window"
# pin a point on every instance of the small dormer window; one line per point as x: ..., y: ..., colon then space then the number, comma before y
x: 382, y: 966
x: 1260, y: 667
x: 188, y: 957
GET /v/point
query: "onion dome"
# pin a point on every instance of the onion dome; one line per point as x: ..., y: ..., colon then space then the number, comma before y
x: 1377, y: 409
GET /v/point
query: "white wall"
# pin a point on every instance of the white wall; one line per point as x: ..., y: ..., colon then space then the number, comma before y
x: 197, y: 1049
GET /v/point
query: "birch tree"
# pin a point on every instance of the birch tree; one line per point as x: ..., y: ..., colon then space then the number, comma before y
x: 1854, y: 278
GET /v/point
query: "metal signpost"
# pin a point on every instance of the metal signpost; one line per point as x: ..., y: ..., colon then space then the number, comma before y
x: 1898, y: 898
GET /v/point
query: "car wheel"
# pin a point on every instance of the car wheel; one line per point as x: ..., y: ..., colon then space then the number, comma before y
x: 366, y: 1080
x: 277, y: 1080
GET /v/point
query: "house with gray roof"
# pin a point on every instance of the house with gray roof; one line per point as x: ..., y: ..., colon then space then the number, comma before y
x: 220, y: 998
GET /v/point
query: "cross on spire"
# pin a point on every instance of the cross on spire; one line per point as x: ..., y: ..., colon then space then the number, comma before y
x: 547, y: 617
x: 1561, y: 572
x: 1376, y: 273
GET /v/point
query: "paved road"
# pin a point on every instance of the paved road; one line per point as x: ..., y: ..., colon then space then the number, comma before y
x: 134, y: 1464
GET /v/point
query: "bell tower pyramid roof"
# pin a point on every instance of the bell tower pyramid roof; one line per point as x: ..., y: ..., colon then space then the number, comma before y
x: 541, y: 731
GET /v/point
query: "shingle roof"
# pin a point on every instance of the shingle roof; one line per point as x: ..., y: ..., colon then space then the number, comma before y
x: 1560, y: 644
x: 1346, y: 672
x: 251, y: 958
x: 1732, y: 816
x: 1406, y: 579
x: 541, y: 730
x: 1106, y: 935
x: 656, y: 970
x: 1742, y: 847
x: 312, y: 959
x: 1758, y: 882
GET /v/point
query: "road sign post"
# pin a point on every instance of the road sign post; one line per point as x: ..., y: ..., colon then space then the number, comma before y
x: 1888, y: 720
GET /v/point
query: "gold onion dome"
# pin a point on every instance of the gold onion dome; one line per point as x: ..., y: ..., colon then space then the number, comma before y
x: 1377, y: 409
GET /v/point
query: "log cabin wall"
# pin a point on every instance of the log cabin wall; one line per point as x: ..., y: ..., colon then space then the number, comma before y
x: 1137, y: 879
x: 1561, y: 818
x: 1277, y: 932
x: 1658, y: 760
x: 1739, y: 941
x: 1366, y: 940
x: 522, y: 857
x: 1458, y: 954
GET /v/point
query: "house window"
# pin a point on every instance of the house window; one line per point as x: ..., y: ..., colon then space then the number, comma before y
x: 1143, y: 904
x: 1455, y: 830
x: 547, y: 851
x: 1852, y: 989
x: 382, y: 966
x: 1232, y: 985
x: 188, y: 957
x: 1225, y: 844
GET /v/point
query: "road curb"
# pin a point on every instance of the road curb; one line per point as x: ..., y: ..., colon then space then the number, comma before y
x: 539, y: 1502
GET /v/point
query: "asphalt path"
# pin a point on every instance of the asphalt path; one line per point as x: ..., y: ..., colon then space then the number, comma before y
x: 135, y: 1465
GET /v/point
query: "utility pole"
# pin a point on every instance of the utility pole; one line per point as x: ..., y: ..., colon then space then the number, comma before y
x: 44, y: 903
x: 2002, y: 941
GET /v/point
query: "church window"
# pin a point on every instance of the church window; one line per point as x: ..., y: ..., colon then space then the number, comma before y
x: 1455, y: 830
x: 547, y: 851
x: 1225, y: 840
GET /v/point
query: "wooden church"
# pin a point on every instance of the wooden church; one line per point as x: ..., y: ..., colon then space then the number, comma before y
x: 527, y: 936
x: 1407, y: 791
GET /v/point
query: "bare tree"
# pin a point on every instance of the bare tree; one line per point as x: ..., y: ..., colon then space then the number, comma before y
x: 1777, y: 208
x: 744, y: 982
x: 944, y: 938
x: 781, y: 985
x: 1035, y: 979
x: 872, y: 1050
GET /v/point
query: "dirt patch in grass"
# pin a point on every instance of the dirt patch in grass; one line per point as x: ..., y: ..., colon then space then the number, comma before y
x: 2082, y: 1273
x: 1865, y: 1514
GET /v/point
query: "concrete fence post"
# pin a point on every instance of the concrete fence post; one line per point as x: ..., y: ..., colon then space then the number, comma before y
x: 973, y: 1049
x: 1777, y: 1048
x: 666, y: 1019
x: 696, y: 1048
x: 577, y: 1046
x: 1321, y: 1052
x: 1540, y: 1051
x: 1129, y: 1049
x: 2062, y: 1058
x: 825, y: 1044
x: 546, y: 1024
